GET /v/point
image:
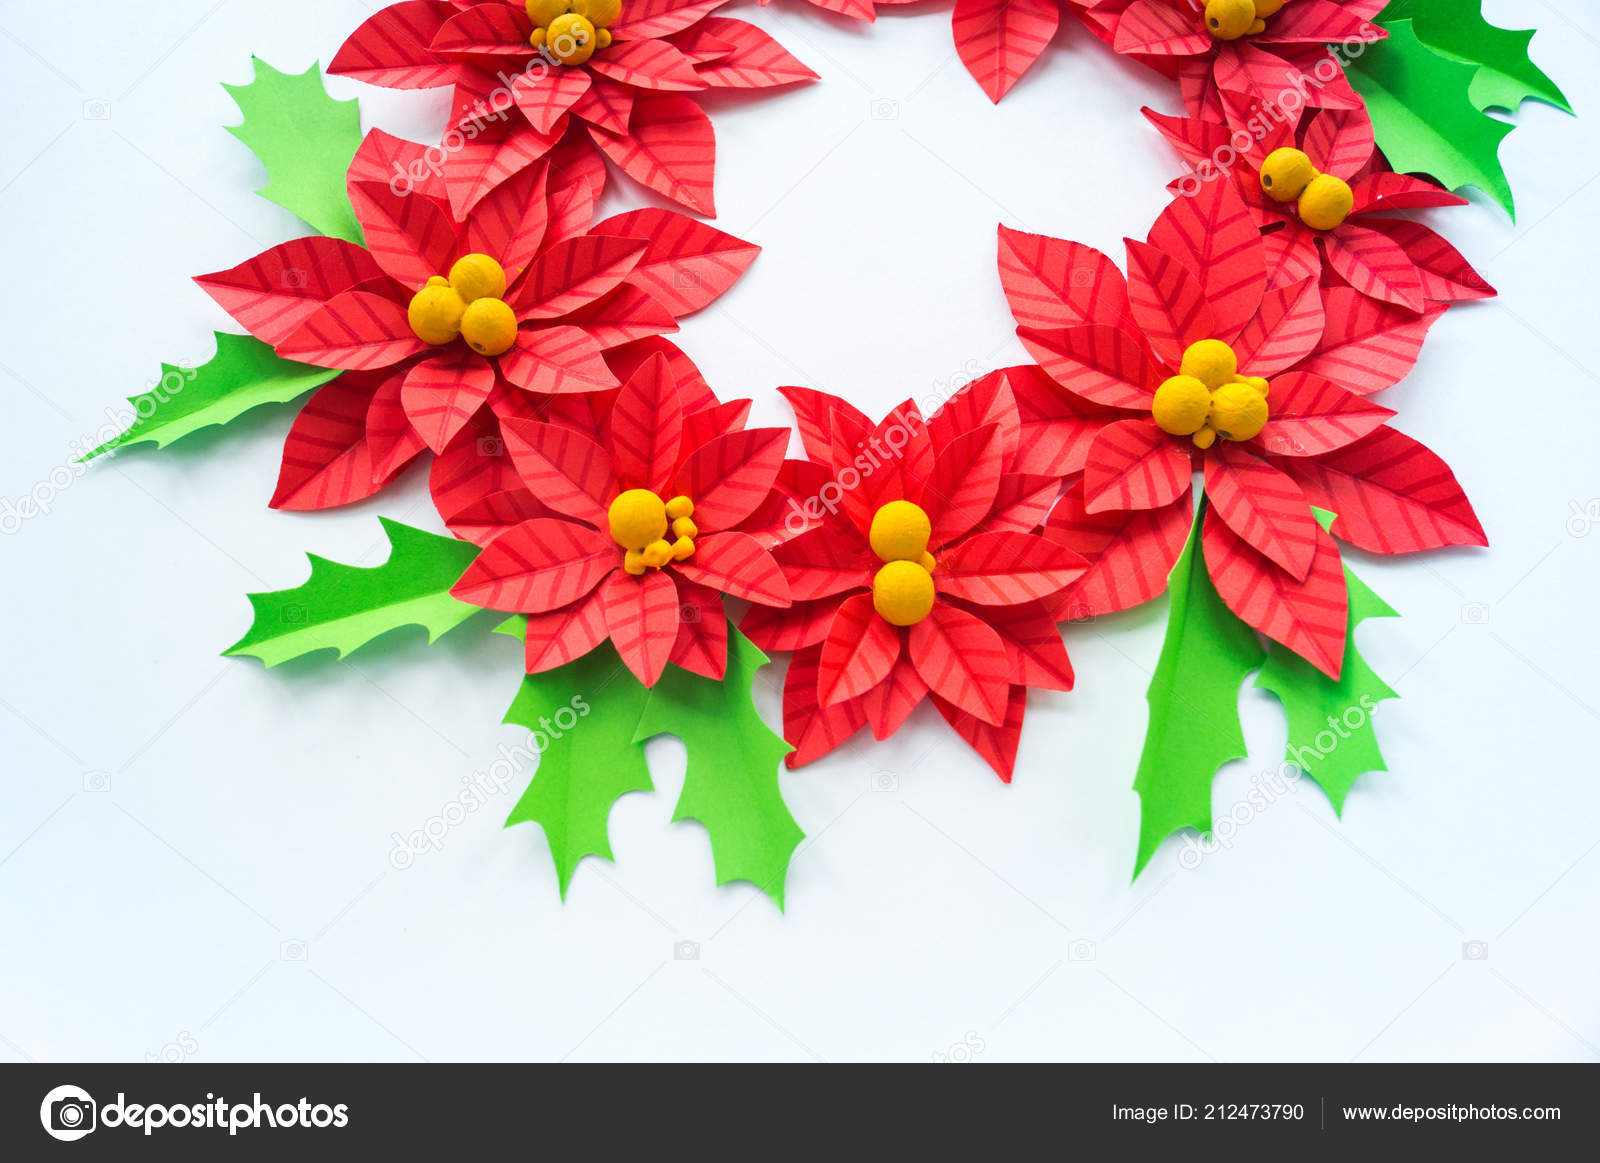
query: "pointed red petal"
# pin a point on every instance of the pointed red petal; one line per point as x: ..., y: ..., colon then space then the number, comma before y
x: 1130, y: 553
x: 1058, y: 428
x: 1167, y: 301
x: 1134, y: 465
x: 1311, y: 416
x: 736, y: 564
x: 545, y: 97
x: 859, y: 652
x: 538, y: 566
x: 1368, y: 346
x: 729, y: 477
x: 813, y: 413
x: 812, y: 729
x: 1037, y: 656
x: 961, y: 660
x: 644, y: 429
x: 702, y: 643
x: 966, y: 477
x: 686, y: 264
x: 509, y: 224
x: 1007, y: 569
x: 391, y: 440
x: 820, y: 563
x: 1051, y: 283
x: 793, y: 628
x: 996, y: 744
x: 563, y: 468
x: 998, y: 39
x: 326, y: 460
x: 1213, y: 234
x: 1263, y: 506
x: 391, y: 47
x: 551, y: 360
x: 1391, y: 494
x: 642, y: 618
x: 1446, y: 276
x: 273, y: 293
x: 1310, y: 617
x: 648, y: 64
x: 1104, y: 365
x: 642, y: 19
x: 1284, y: 331
x: 669, y: 147
x: 755, y: 61
x: 556, y: 638
x: 889, y: 704
x: 411, y: 238
x: 574, y: 272
x: 1375, y: 265
x: 441, y: 393
x: 354, y: 330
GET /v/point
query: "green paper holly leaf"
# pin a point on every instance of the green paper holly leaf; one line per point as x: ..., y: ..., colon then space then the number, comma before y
x: 1194, y: 703
x: 306, y: 140
x: 731, y: 785
x: 1424, y: 118
x: 244, y: 373
x: 1323, y: 741
x: 342, y: 607
x: 1506, y: 76
x: 583, y: 716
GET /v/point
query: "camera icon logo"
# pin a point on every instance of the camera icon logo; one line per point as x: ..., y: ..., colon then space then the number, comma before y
x: 686, y: 950
x: 295, y: 279
x: 97, y: 781
x: 689, y: 613
x: 1082, y: 949
x: 685, y: 279
x: 1474, y: 950
x: 490, y: 446
x: 68, y: 1113
x: 293, y: 951
x: 97, y: 109
x: 883, y: 109
x: 294, y: 615
x: 887, y: 781
x: 1475, y: 614
x: 1082, y: 278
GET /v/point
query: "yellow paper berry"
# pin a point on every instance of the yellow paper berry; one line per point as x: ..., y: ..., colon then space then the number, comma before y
x: 902, y: 593
x: 571, y: 39
x: 680, y: 507
x: 1205, y: 438
x: 633, y: 562
x: 1285, y: 174
x: 542, y: 12
x: 684, y: 527
x: 927, y: 562
x: 435, y: 313
x: 657, y: 554
x: 1326, y: 203
x: 1181, y: 405
x: 682, y: 549
x: 637, y: 518
x: 489, y: 326
x: 1212, y: 362
x: 1238, y: 411
x: 900, y: 531
x: 601, y: 13
x: 477, y: 276
x: 1259, y: 384
x: 1229, y: 19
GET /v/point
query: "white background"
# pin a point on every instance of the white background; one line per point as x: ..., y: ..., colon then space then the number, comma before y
x: 194, y: 852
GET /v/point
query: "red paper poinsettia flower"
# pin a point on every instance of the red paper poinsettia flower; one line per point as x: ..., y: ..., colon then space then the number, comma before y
x: 617, y: 76
x: 917, y: 572
x: 1323, y: 197
x: 435, y: 319
x: 1270, y: 55
x: 1191, y: 361
x: 646, y: 498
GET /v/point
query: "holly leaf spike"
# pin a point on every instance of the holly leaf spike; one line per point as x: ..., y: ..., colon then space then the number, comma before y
x: 731, y: 785
x: 343, y: 607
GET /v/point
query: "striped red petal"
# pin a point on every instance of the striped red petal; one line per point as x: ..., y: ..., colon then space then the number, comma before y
x: 1168, y: 302
x: 810, y: 728
x: 966, y: 478
x: 391, y: 47
x: 559, y: 636
x: 545, y: 96
x: 1263, y: 506
x: 553, y: 360
x: 538, y: 566
x: 564, y: 468
x: 642, y: 617
x: 1340, y: 141
x: 820, y: 564
x: 1037, y: 656
x: 858, y: 653
x: 889, y: 704
x: 354, y: 330
x: 1309, y: 616
x: 648, y: 64
x: 1367, y: 345
x: 1130, y: 553
x: 575, y: 272
x: 1284, y: 331
x: 412, y: 239
x: 440, y: 394
x: 999, y: 39
x: 1104, y: 365
x: 1007, y: 569
x: 1312, y: 416
x: 755, y: 60
x: 1058, y: 428
x: 1375, y: 265
x: 1134, y: 465
x: 1051, y: 283
x: 644, y: 430
x: 702, y: 643
x: 738, y: 565
x: 686, y: 264
x: 796, y: 627
x: 326, y: 460
x: 1154, y: 28
x: 727, y: 478
x: 669, y: 146
x: 962, y: 661
x: 273, y: 293
x: 1213, y: 234
x: 996, y: 743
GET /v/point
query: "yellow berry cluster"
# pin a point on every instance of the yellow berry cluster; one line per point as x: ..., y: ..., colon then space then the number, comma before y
x: 1208, y: 397
x: 639, y: 521
x: 1325, y: 201
x: 902, y: 589
x: 571, y: 30
x: 469, y: 304
x: 1231, y: 19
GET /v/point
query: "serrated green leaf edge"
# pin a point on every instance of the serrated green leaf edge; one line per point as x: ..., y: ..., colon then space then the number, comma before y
x: 731, y: 783
x: 1194, y: 725
x: 1423, y: 118
x: 588, y: 760
x: 244, y: 373
x: 1506, y: 74
x: 343, y: 607
x: 306, y: 140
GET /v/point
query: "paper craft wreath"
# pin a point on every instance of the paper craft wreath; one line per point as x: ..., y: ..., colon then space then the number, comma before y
x: 458, y: 300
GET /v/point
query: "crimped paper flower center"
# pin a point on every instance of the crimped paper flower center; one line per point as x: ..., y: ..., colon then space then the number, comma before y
x: 1208, y: 397
x: 639, y: 522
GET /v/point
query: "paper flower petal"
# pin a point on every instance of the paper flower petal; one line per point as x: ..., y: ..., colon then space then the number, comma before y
x: 1134, y: 465
x: 564, y: 468
x: 642, y: 618
x: 538, y: 566
x: 961, y: 660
